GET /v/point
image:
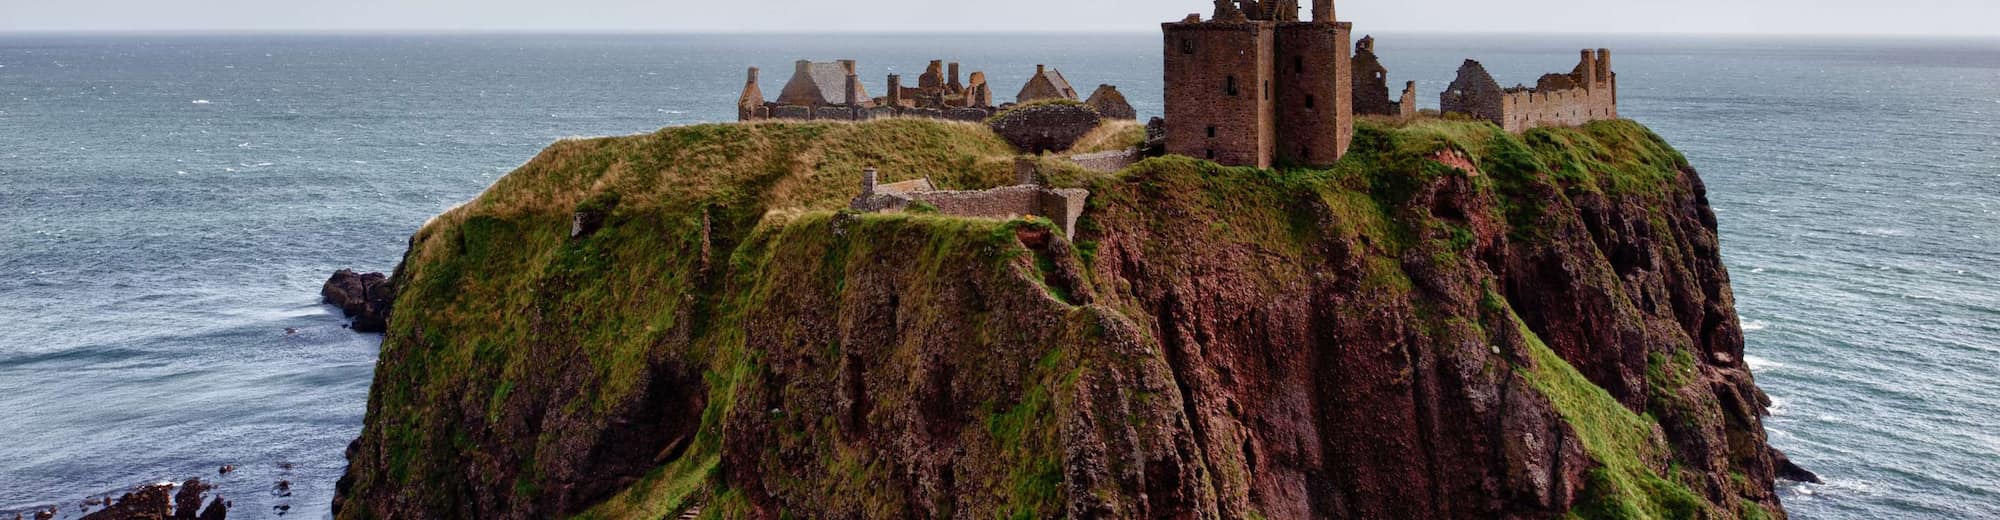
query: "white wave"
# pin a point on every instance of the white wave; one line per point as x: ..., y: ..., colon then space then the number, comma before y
x: 1755, y: 325
x: 1882, y: 232
x: 1777, y: 406
x: 1758, y: 364
x: 1757, y: 270
x: 201, y: 102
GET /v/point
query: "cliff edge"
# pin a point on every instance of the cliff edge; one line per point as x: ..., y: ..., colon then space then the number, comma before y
x: 1454, y: 322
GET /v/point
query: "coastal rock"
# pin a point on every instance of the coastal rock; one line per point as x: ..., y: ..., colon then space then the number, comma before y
x: 1454, y: 332
x: 1046, y: 126
x: 367, y: 298
x: 163, y: 502
x: 1791, y: 471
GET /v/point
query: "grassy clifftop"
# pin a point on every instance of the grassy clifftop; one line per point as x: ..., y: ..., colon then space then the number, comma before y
x: 1446, y: 324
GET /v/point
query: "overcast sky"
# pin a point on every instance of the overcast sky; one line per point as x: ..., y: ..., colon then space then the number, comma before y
x: 1909, y: 17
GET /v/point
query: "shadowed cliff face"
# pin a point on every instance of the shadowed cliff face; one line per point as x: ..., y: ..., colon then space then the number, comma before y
x: 1455, y: 322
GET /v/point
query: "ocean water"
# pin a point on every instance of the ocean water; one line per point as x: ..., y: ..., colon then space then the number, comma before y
x: 169, y: 206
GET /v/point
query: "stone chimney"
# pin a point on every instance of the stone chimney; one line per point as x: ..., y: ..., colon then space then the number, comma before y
x: 853, y: 89
x: 954, y: 84
x: 847, y: 65
x: 1604, y: 65
x: 867, y: 182
x: 1323, y: 11
x: 895, y: 90
x: 1589, y: 67
x: 1040, y: 69
x: 753, y: 75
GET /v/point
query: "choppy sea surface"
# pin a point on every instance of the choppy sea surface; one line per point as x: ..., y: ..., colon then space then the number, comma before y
x: 169, y: 206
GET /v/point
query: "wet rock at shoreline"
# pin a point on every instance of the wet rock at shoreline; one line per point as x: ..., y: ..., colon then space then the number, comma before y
x: 1788, y: 470
x: 364, y: 297
x: 163, y: 502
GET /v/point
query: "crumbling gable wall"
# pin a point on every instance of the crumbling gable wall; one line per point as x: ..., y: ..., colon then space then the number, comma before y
x: 1111, y: 104
x: 1474, y: 93
x: 750, y: 105
x: 1371, y: 81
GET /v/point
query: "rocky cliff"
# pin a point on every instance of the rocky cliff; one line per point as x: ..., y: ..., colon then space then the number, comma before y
x: 1454, y: 323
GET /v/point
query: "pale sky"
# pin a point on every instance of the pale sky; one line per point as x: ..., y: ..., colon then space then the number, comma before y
x: 1874, y: 17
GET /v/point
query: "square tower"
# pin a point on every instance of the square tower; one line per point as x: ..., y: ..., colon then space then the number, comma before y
x: 1260, y: 88
x: 1218, y: 91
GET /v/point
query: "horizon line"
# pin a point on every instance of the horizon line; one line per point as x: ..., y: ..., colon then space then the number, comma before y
x: 893, y: 32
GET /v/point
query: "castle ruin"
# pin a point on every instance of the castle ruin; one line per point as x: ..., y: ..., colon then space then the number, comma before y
x: 1371, y: 85
x: 1254, y: 85
x: 1587, y: 93
x: 833, y: 91
x: 1027, y: 197
x: 1046, y: 84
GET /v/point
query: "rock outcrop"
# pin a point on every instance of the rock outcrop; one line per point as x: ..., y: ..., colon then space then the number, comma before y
x: 162, y: 502
x: 366, y: 298
x: 1458, y: 323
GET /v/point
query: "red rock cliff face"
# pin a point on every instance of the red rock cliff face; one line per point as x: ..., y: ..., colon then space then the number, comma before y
x: 1455, y: 323
x: 1328, y: 372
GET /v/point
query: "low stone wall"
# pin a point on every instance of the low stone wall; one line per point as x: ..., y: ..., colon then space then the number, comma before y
x: 1106, y: 162
x: 1061, y: 206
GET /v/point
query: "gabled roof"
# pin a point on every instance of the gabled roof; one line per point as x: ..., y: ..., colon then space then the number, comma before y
x: 1047, y: 83
x: 817, y: 84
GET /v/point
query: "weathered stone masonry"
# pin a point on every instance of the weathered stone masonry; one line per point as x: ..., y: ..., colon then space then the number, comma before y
x: 1029, y: 197
x: 1588, y: 93
x: 1371, y: 85
x: 1254, y: 85
x: 833, y: 91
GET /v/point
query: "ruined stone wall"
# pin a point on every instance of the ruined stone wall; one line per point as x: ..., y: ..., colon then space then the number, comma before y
x: 1371, y: 82
x: 1107, y: 162
x: 1064, y: 207
x: 1314, y: 93
x: 1474, y: 93
x: 1529, y: 109
x: 1588, y: 93
x: 1217, y: 106
x: 1407, y: 107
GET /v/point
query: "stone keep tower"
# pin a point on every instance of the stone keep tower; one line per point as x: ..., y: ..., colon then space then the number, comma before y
x: 1255, y: 86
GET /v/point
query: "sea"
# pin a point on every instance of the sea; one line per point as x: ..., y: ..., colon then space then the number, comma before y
x: 170, y: 205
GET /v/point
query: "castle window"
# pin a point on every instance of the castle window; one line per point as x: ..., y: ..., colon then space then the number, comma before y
x: 1267, y: 90
x: 1298, y: 64
x: 1229, y: 86
x: 1309, y: 101
x: 1187, y: 46
x: 1211, y: 153
x: 1211, y: 132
